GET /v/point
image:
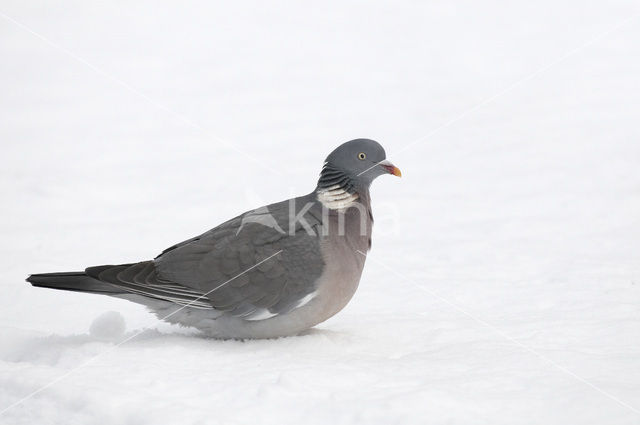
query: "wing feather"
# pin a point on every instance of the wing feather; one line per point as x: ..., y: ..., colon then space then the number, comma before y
x: 230, y: 252
x: 142, y: 279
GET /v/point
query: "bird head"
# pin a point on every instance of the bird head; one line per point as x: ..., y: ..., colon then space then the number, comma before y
x: 354, y: 165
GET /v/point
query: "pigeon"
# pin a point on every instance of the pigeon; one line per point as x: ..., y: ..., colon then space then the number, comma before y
x: 271, y: 272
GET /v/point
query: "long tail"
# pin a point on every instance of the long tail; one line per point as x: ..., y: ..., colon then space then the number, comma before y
x: 72, y: 281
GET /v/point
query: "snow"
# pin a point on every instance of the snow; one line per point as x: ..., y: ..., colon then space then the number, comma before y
x: 504, y: 283
x: 109, y: 326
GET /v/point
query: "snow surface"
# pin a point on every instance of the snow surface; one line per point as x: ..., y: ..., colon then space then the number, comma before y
x: 109, y: 326
x: 504, y: 282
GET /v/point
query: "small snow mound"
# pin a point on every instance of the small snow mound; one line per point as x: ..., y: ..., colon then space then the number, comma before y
x: 109, y: 326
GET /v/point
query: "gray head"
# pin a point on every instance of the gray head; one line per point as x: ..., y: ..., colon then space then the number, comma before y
x: 353, y: 165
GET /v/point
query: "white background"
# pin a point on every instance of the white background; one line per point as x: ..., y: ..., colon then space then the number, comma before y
x: 504, y: 282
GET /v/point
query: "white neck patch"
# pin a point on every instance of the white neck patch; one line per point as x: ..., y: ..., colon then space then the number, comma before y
x: 336, y: 198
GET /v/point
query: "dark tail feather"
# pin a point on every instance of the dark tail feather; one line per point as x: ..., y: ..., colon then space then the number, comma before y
x: 72, y: 281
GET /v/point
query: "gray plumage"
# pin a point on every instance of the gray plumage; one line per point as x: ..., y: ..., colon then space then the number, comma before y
x: 269, y: 272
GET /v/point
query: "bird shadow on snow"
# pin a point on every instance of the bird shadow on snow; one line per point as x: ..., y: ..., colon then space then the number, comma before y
x: 67, y: 351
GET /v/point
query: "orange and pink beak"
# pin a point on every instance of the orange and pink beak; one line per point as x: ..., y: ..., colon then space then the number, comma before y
x: 391, y: 169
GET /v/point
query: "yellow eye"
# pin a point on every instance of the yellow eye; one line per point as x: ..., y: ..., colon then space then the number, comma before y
x: 362, y: 156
